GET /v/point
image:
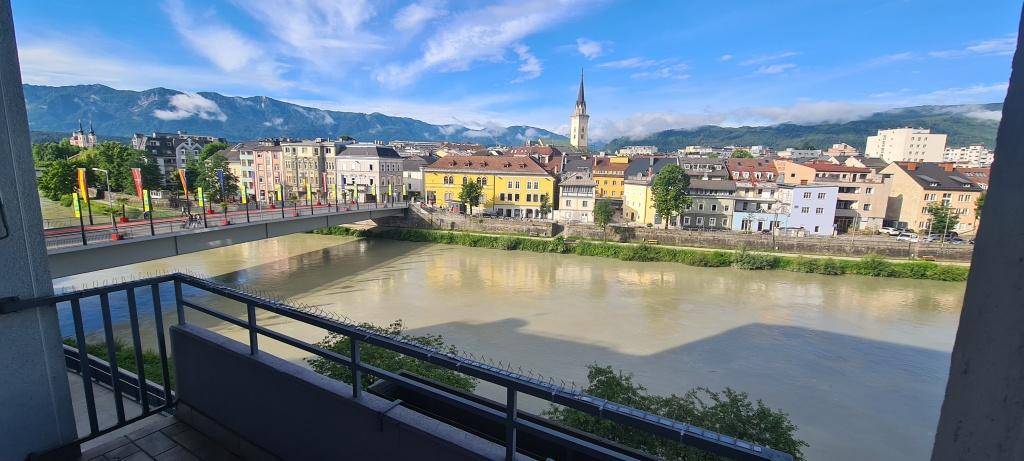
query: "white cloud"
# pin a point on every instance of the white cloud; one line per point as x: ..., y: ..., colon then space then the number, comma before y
x: 61, y: 63
x: 772, y: 69
x: 641, y: 124
x: 590, y: 49
x: 768, y: 58
x: 951, y: 95
x: 529, y: 66
x: 673, y: 72
x: 321, y: 32
x: 896, y: 57
x: 1001, y: 46
x: 483, y: 34
x: 276, y: 121
x: 725, y: 57
x: 185, y: 105
x: 414, y: 16
x: 629, y: 63
x: 219, y: 43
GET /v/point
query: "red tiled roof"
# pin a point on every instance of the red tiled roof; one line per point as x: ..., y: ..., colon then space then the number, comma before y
x: 489, y: 164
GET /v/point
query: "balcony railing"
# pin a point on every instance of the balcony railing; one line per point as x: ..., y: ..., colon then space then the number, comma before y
x: 159, y: 397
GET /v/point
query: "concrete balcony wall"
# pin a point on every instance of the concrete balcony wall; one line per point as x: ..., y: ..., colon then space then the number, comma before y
x: 295, y: 413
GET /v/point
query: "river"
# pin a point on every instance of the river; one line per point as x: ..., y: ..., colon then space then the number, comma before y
x: 859, y: 363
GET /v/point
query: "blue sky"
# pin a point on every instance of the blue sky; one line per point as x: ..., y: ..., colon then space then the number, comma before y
x: 650, y: 65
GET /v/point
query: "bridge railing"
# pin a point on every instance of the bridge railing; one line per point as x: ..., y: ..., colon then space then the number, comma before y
x: 159, y: 396
x: 103, y: 231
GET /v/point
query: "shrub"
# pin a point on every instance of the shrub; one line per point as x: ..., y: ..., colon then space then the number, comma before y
x: 874, y: 266
x: 755, y: 261
x: 66, y: 199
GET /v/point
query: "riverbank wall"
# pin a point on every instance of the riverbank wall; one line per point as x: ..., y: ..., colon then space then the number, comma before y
x: 418, y: 218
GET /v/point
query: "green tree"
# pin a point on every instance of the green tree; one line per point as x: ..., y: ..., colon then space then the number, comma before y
x: 50, y: 151
x: 669, y: 192
x: 119, y: 160
x: 979, y: 204
x: 741, y: 153
x: 470, y: 194
x: 59, y: 178
x: 204, y: 174
x: 210, y: 149
x: 943, y: 220
x: 545, y: 205
x: 603, y: 213
x: 389, y: 360
x: 728, y: 412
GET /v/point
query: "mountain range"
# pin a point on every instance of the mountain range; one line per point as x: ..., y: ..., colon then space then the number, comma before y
x: 54, y: 112
x: 117, y: 114
x: 965, y: 125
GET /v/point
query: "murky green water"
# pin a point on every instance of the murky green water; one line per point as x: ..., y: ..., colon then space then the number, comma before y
x: 859, y: 363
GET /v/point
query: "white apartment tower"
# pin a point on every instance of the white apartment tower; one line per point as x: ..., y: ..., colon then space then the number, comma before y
x: 578, y: 121
x: 906, y: 145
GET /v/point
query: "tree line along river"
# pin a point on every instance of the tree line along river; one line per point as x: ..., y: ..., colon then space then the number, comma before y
x: 859, y: 363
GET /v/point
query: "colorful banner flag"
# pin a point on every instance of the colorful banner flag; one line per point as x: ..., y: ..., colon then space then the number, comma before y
x: 184, y: 182
x: 220, y: 179
x: 391, y: 189
x: 245, y: 194
x: 83, y: 187
x: 137, y: 178
x: 309, y: 191
x: 76, y: 204
x: 146, y: 205
x: 280, y: 193
x: 201, y: 196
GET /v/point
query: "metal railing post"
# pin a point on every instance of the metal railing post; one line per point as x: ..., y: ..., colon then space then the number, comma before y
x: 140, y: 369
x: 510, y: 424
x: 115, y: 368
x: 357, y: 378
x: 83, y: 364
x: 178, y: 302
x: 158, y: 321
x: 251, y: 312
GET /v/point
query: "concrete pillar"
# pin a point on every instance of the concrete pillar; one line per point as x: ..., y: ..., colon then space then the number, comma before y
x: 983, y: 413
x: 35, y: 403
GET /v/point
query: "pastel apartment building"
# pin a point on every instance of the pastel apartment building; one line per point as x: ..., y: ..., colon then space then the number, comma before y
x: 906, y: 145
x: 512, y: 186
x: 917, y: 185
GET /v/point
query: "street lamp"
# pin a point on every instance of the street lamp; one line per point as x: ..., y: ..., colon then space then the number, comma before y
x: 110, y: 198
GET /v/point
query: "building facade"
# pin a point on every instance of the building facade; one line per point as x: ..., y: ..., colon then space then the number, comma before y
x: 906, y: 145
x: 630, y: 151
x: 973, y: 156
x: 915, y: 186
x: 367, y: 173
x: 577, y: 194
x: 512, y: 186
x: 756, y: 206
x: 810, y: 208
x: 172, y: 150
x: 83, y: 139
x: 268, y: 170
x: 610, y: 175
x: 862, y: 197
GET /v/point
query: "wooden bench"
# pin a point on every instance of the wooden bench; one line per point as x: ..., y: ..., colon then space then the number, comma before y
x: 651, y: 242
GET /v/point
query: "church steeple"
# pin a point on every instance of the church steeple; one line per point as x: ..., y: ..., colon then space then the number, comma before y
x: 579, y: 120
x: 580, y: 100
x: 90, y: 127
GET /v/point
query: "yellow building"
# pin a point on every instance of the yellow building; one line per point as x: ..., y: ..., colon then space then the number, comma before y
x: 512, y: 186
x: 637, y: 202
x: 610, y: 173
x: 916, y: 185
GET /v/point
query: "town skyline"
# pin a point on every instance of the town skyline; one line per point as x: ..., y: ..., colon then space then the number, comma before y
x: 718, y: 75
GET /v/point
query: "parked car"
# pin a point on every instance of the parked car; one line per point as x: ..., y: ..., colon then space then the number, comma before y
x: 890, y: 231
x: 907, y: 237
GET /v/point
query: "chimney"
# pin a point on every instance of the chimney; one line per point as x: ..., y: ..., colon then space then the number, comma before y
x: 912, y: 166
x: 947, y: 166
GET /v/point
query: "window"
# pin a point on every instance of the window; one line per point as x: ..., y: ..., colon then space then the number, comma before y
x: 821, y: 195
x: 510, y: 184
x: 807, y: 195
x: 568, y: 202
x: 700, y: 207
x: 869, y: 190
x: 517, y: 197
x: 816, y: 228
x: 501, y: 196
x: 465, y: 179
x: 819, y: 210
x: 700, y: 220
x: 805, y: 210
x: 686, y: 220
x: 711, y: 221
x: 714, y: 208
x: 517, y: 184
x: 584, y: 204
